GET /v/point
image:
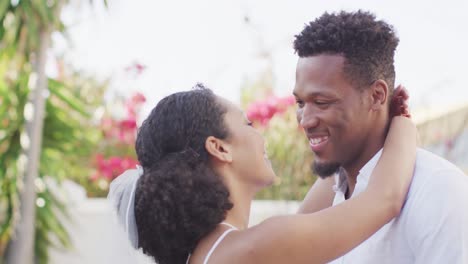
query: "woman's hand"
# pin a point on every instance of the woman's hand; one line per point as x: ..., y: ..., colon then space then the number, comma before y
x: 399, y: 102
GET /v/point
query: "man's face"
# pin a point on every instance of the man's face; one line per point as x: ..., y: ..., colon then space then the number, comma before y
x: 335, y: 115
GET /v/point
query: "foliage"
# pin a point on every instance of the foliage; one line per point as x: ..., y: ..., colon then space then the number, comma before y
x: 66, y: 140
x: 115, y: 152
x: 65, y: 150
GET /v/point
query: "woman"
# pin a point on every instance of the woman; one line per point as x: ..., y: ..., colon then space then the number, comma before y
x: 203, y: 163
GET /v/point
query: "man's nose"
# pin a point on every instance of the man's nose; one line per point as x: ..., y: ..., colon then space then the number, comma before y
x: 308, y: 117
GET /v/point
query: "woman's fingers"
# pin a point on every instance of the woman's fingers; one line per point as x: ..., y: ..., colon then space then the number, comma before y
x: 399, y: 102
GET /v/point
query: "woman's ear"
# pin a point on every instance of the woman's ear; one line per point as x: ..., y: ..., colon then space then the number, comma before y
x: 218, y: 149
x: 379, y: 94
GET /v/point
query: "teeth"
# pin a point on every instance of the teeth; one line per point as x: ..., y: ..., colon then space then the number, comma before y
x: 316, y: 141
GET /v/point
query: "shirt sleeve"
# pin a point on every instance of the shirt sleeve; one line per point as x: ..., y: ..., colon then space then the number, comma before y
x: 437, y: 227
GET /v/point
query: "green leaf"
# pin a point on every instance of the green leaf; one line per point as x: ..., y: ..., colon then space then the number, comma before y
x: 41, y: 9
x: 2, y: 30
x: 33, y: 35
x: 4, y: 6
x: 58, y: 89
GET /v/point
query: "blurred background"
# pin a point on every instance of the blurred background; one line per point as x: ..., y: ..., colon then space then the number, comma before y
x: 78, y: 77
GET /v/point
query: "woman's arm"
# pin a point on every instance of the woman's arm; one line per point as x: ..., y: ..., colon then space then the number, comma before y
x: 319, y: 197
x: 330, y: 233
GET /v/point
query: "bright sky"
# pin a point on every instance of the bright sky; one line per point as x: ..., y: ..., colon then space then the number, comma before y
x: 184, y: 42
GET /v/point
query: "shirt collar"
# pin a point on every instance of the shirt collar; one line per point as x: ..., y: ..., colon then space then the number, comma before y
x: 341, y: 181
x: 362, y: 178
x: 366, y: 171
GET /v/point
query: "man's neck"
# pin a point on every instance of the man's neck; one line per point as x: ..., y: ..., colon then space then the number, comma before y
x: 351, y: 184
x: 352, y: 170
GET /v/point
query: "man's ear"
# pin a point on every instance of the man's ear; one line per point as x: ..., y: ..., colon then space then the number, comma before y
x: 218, y: 149
x: 379, y: 95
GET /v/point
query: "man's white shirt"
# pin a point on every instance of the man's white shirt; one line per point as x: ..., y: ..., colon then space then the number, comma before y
x: 433, y: 225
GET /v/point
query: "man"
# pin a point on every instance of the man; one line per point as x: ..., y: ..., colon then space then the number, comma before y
x: 344, y: 79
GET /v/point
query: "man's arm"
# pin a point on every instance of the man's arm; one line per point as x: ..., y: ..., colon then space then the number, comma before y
x: 320, y: 196
x: 437, y: 226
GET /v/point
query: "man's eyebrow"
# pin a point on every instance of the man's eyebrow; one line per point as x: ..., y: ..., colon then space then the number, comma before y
x: 315, y: 94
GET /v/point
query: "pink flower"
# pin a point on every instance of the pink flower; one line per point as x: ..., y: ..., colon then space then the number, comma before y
x: 128, y: 124
x: 113, y: 166
x: 139, y: 68
x: 273, y: 101
x: 128, y: 163
x: 114, y: 161
x: 288, y: 100
x: 138, y: 98
x: 253, y: 112
x: 263, y: 111
x: 134, y: 104
x: 106, y: 123
x: 107, y: 172
x: 136, y: 68
x: 131, y: 110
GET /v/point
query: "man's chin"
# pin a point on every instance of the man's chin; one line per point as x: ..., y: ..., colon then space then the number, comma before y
x: 325, y: 169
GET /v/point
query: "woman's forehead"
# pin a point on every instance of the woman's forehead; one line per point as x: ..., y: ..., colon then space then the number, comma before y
x: 230, y: 106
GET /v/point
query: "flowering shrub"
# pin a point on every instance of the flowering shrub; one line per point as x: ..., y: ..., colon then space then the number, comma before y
x: 115, y: 152
x: 287, y: 147
x: 262, y: 111
x: 112, y: 167
x: 123, y: 130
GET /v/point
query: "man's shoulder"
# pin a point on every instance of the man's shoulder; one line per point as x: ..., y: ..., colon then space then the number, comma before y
x: 435, y: 176
x: 429, y: 165
x: 426, y: 160
x: 434, y: 219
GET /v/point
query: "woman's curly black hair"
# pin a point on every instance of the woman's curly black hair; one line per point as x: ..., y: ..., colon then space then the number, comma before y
x: 179, y: 198
x: 368, y: 45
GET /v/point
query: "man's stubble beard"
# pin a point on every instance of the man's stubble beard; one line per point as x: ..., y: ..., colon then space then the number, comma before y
x: 325, y: 170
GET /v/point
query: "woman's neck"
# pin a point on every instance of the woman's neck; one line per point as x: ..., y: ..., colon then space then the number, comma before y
x: 241, y: 197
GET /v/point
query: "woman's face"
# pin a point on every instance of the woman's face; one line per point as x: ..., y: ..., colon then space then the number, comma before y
x: 249, y: 158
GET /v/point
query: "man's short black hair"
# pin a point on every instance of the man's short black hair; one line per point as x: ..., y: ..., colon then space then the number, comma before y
x: 368, y: 45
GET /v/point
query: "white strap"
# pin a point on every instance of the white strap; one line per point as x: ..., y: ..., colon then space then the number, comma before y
x: 229, y: 225
x: 215, y: 245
